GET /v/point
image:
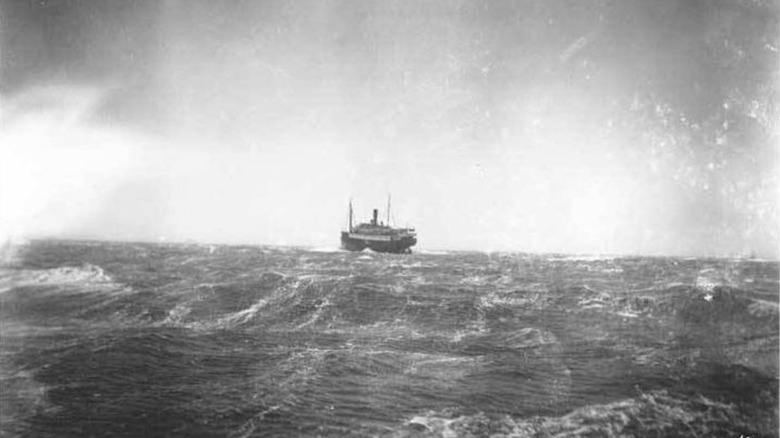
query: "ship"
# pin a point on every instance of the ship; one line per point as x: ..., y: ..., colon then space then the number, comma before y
x: 378, y: 236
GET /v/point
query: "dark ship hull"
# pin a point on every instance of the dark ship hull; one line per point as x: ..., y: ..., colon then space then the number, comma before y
x: 390, y: 244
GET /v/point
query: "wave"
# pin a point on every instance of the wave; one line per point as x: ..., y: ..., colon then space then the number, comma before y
x: 533, y: 299
x: 431, y: 252
x: 84, y: 277
x: 334, y: 297
x: 722, y: 304
x: 581, y: 258
x: 674, y: 299
x: 68, y: 297
x: 653, y: 413
x: 86, y: 273
x: 328, y: 250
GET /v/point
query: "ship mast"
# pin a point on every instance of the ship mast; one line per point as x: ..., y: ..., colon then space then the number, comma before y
x: 388, y: 209
x: 350, y: 215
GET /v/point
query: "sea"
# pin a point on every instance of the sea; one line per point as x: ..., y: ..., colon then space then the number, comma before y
x: 110, y: 339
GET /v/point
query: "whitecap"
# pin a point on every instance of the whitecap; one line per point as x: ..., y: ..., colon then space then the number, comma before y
x: 242, y: 316
x: 328, y: 249
x: 86, y: 276
x: 431, y: 252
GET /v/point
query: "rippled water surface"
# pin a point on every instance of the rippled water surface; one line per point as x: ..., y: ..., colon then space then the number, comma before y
x: 120, y: 339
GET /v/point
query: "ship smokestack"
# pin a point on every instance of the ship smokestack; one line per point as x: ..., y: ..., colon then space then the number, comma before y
x: 376, y: 212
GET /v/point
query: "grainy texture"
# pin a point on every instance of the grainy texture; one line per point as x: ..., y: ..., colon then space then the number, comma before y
x: 121, y: 339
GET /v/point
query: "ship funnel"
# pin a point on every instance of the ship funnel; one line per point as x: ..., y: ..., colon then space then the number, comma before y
x: 376, y: 212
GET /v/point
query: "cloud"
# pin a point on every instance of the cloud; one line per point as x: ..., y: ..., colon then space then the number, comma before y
x: 57, y: 166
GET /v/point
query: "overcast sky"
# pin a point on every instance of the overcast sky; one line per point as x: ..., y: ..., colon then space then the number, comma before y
x: 604, y: 126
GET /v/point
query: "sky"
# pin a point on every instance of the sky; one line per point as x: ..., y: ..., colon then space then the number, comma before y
x: 588, y: 127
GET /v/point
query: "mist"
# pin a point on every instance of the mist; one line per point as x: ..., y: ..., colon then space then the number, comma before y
x: 599, y: 127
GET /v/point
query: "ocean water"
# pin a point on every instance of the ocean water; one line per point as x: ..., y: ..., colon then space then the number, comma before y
x: 128, y: 340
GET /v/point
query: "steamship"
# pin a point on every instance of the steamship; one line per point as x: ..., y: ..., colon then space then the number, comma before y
x: 378, y: 236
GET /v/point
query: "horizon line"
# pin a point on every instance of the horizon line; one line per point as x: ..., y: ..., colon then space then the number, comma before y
x: 164, y: 241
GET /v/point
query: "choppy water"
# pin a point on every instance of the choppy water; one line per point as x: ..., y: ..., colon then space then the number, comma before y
x: 118, y: 339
